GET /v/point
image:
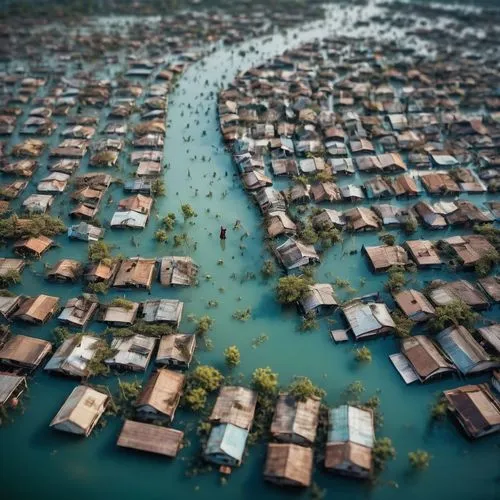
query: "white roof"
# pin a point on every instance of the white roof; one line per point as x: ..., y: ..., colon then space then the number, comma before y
x: 129, y: 219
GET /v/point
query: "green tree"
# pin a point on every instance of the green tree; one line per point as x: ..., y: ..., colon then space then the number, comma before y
x: 308, y: 235
x: 383, y: 450
x: 169, y: 221
x: 303, y: 388
x: 486, y: 263
x: 267, y: 268
x: 98, y: 251
x: 404, y: 325
x: 397, y: 279
x: 455, y: 313
x: 161, y: 236
x: 232, y: 356
x: 187, y: 211
x: 196, y: 398
x: 203, y: 324
x: 419, y: 459
x: 291, y: 289
x: 158, y: 188
x: 363, y: 354
x: 11, y: 277
x: 264, y: 380
x: 207, y: 377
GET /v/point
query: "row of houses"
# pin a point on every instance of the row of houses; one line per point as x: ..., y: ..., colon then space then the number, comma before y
x: 136, y: 272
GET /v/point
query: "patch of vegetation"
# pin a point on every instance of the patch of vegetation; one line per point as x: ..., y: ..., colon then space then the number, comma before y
x: 410, y: 226
x: 60, y: 334
x: 96, y: 366
x: 352, y: 393
x: 232, y: 356
x: 308, y: 235
x: 142, y: 328
x: 168, y: 221
x: 11, y: 277
x: 387, y: 239
x: 397, y: 279
x: 419, y: 459
x: 161, y: 236
x: 243, y: 314
x: 404, y: 325
x: 303, y: 388
x: 203, y: 324
x: 383, y: 450
x: 30, y: 227
x: 309, y: 322
x: 187, y: 211
x: 122, y: 303
x: 329, y: 236
x: 207, y: 377
x: 98, y: 252
x: 291, y: 289
x: 265, y: 381
x: 439, y: 408
x: 196, y: 398
x: 268, y: 268
x: 455, y: 313
x: 486, y: 263
x: 363, y: 355
x: 98, y: 287
x: 258, y: 341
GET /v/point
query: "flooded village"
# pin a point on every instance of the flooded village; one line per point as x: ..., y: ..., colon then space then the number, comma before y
x: 250, y: 249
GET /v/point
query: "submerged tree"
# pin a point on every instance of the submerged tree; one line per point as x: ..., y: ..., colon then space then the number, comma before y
x: 419, y: 459
x: 303, y: 388
x: 291, y: 289
x: 232, y: 356
x: 455, y: 313
x: 187, y: 211
x: 383, y: 450
x: 264, y: 380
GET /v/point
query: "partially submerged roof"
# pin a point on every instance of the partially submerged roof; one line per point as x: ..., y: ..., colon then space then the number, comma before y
x: 349, y: 423
x: 227, y: 439
x: 135, y: 272
x: 73, y: 355
x: 294, y: 417
x: 180, y: 271
x: 81, y: 411
x: 236, y: 406
x: 162, y: 392
x: 9, y: 383
x: 150, y: 438
x: 289, y: 463
x: 368, y: 319
x: 162, y: 310
x: 383, y: 257
x: 476, y: 407
x: 319, y: 295
x: 132, y: 352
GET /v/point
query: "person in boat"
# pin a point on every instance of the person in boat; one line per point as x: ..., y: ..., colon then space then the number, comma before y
x: 222, y: 233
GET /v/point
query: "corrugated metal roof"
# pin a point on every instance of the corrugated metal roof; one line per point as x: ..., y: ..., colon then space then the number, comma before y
x: 227, y: 439
x: 348, y: 423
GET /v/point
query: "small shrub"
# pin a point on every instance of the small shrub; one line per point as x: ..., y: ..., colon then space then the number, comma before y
x: 363, y: 355
x: 419, y: 459
x: 232, y: 356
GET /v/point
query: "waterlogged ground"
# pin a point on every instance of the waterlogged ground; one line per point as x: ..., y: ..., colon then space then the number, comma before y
x: 38, y: 461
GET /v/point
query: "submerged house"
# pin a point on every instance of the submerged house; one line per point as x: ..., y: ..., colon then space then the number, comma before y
x: 101, y: 272
x: 423, y: 253
x: 361, y: 219
x: 37, y: 310
x: 135, y: 272
x: 295, y: 421
x: 9, y: 305
x: 8, y: 266
x: 465, y: 352
x: 350, y: 440
x: 429, y: 215
x: 294, y: 254
x: 491, y: 287
x: 278, y: 223
x: 384, y: 257
x: 319, y: 299
x: 85, y: 232
x: 121, y: 315
x: 163, y: 311
x: 476, y: 408
x: 232, y: 417
x: 328, y: 219
x: 78, y: 311
x: 368, y: 320
x: 81, y: 411
x: 73, y: 356
x: 131, y: 353
x: 24, y: 352
x: 414, y: 305
x: 33, y: 247
x: 176, y: 350
x: 445, y: 293
x: 468, y: 249
x: 11, y: 388
x: 178, y: 271
x: 288, y: 465
x: 420, y: 359
x: 160, y: 397
x: 150, y: 438
x: 65, y: 270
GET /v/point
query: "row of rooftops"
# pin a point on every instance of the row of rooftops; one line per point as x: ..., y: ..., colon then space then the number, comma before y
x: 135, y: 272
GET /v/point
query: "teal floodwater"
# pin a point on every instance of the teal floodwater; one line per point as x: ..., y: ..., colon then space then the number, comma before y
x: 38, y: 462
